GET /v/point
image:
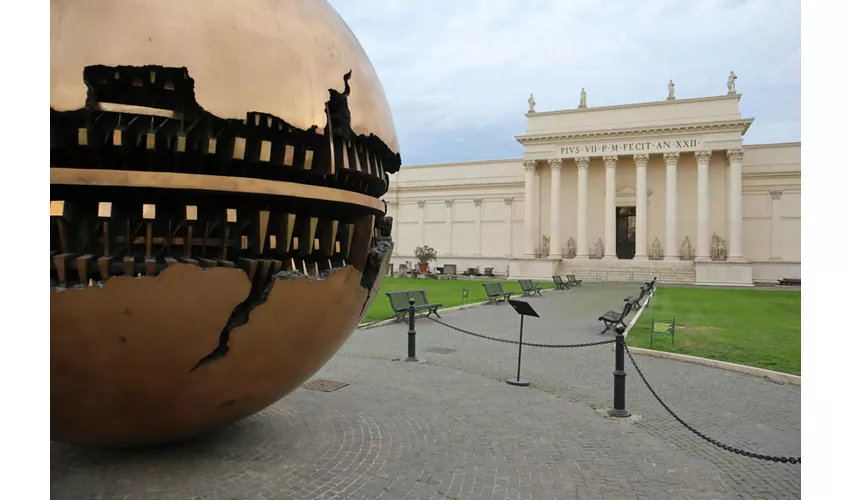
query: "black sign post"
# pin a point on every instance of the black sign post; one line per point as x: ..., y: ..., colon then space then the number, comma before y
x: 523, y: 309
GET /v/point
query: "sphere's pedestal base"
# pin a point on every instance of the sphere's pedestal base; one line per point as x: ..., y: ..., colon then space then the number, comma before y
x: 517, y: 382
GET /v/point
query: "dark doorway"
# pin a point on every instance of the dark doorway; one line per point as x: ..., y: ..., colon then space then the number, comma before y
x: 625, y: 232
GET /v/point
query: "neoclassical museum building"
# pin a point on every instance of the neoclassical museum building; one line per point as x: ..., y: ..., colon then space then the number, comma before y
x: 618, y: 193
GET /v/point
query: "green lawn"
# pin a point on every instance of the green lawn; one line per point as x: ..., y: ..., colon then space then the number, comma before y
x: 758, y: 328
x: 446, y: 291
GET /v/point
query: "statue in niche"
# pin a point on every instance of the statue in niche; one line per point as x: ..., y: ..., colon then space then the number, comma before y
x: 655, y: 251
x: 730, y: 83
x: 531, y: 103
x: 671, y: 91
x: 583, y: 102
x: 598, y: 249
x: 571, y: 248
x: 718, y: 247
x: 686, y: 251
x: 544, y: 245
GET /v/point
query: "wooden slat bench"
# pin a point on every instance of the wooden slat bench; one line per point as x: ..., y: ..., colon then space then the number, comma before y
x: 560, y: 284
x: 529, y: 288
x: 613, y: 318
x: 399, y: 302
x: 636, y: 300
x: 571, y: 280
x: 495, y: 293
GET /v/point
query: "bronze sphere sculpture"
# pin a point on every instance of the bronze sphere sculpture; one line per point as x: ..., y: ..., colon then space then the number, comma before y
x: 216, y: 225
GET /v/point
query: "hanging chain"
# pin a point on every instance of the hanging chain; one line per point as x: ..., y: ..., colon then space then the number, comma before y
x: 530, y: 344
x: 726, y: 447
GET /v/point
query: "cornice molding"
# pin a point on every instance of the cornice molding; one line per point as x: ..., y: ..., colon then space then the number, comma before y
x: 741, y: 125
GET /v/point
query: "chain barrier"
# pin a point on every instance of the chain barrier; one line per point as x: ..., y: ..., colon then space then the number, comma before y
x: 784, y: 460
x: 515, y: 342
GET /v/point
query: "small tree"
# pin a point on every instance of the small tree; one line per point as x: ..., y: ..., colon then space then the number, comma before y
x: 425, y: 254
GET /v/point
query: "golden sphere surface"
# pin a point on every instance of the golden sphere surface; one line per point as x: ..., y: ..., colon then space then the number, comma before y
x: 214, y: 245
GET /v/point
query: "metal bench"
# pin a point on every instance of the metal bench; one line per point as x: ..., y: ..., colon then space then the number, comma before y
x: 560, y: 284
x: 790, y: 282
x: 399, y: 303
x: 529, y: 288
x: 612, y: 318
x: 636, y: 300
x: 571, y: 280
x: 650, y: 285
x: 495, y: 293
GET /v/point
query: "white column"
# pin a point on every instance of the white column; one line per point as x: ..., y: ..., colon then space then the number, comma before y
x: 449, y: 226
x: 671, y: 243
x: 509, y: 222
x: 582, y: 248
x: 528, y: 221
x: 477, y: 202
x: 392, y: 211
x: 537, y: 218
x: 422, y: 222
x: 703, y: 253
x: 555, y: 208
x: 640, y: 209
x: 775, y: 230
x: 736, y: 221
x: 610, y: 207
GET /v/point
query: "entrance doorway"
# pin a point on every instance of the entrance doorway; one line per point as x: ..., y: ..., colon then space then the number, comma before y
x: 626, y: 232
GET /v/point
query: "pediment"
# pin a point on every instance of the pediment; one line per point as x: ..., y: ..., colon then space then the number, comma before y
x: 628, y: 190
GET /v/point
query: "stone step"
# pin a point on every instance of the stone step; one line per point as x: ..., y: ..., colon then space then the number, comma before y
x: 677, y: 273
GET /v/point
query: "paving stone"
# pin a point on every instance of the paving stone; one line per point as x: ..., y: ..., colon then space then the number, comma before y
x: 451, y: 428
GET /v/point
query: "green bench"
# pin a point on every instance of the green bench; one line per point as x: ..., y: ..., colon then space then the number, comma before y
x: 495, y: 293
x: 529, y: 288
x: 400, y: 303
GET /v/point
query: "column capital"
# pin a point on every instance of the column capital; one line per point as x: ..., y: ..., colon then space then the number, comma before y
x: 477, y: 202
x: 392, y: 203
x: 582, y: 162
x: 735, y: 155
x: 703, y: 156
x: 421, y: 204
x: 641, y: 160
x: 529, y: 165
x: 449, y: 203
x: 555, y: 163
x: 776, y: 194
x: 610, y: 161
x: 509, y: 201
x: 671, y: 158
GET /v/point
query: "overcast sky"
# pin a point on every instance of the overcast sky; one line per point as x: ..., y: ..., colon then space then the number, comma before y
x: 458, y: 73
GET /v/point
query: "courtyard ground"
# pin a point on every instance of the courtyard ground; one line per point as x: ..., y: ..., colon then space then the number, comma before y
x: 446, y: 291
x: 758, y: 328
x: 450, y: 428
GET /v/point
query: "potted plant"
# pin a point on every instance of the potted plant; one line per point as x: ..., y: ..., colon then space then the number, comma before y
x: 425, y: 254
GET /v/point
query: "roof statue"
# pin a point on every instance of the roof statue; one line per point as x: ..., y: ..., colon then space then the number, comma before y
x: 671, y: 91
x: 583, y: 102
x: 531, y: 103
x: 730, y: 83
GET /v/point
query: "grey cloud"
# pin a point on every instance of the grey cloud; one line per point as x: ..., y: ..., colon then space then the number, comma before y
x: 458, y: 73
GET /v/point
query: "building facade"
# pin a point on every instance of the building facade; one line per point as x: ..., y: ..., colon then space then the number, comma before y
x: 627, y: 192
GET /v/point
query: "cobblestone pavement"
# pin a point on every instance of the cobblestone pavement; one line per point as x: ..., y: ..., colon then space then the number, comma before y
x: 450, y: 428
x: 747, y: 412
x: 401, y: 431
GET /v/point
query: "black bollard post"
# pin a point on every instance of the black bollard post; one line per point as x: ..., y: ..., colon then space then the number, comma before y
x: 619, y: 409
x: 411, y: 331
